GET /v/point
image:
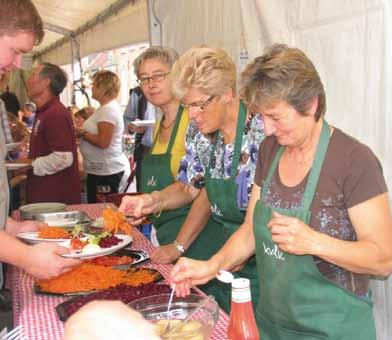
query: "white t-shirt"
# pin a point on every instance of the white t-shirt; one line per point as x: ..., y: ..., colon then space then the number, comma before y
x: 111, y: 160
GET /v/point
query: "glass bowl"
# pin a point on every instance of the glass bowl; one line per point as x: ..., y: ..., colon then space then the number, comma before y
x: 154, y: 309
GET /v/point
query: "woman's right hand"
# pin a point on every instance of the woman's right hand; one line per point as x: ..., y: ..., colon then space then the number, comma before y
x: 138, y: 207
x: 187, y: 273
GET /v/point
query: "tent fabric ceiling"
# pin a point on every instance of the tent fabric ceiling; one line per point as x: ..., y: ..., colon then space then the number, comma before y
x: 117, y: 31
x: 69, y: 14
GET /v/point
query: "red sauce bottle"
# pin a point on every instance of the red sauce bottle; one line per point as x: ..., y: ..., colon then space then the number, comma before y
x: 242, y: 325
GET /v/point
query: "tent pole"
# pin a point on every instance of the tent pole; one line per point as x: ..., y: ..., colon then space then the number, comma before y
x: 154, y: 25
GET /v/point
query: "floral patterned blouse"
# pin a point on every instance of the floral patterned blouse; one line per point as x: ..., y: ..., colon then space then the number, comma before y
x: 198, y: 151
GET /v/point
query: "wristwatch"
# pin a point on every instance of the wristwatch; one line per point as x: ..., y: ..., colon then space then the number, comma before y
x: 179, y: 247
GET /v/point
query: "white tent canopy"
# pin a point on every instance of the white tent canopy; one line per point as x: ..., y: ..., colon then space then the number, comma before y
x: 113, y: 24
x: 348, y: 40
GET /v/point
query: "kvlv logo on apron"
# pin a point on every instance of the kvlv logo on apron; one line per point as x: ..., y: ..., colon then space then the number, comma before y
x: 296, y: 301
x: 152, y: 182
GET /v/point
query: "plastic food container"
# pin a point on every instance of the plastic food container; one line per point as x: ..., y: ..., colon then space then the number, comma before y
x: 154, y: 309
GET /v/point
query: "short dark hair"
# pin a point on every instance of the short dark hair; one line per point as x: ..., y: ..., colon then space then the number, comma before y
x: 20, y: 15
x: 57, y: 77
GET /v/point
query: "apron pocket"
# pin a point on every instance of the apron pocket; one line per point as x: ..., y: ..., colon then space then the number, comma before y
x: 271, y: 331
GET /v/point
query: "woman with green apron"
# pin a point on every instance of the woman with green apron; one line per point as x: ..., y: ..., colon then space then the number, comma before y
x: 222, y: 195
x: 220, y: 160
x: 318, y: 217
x: 160, y: 164
x: 156, y: 176
x: 293, y: 292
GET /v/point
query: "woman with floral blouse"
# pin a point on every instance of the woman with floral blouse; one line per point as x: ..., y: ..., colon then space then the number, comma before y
x: 218, y: 169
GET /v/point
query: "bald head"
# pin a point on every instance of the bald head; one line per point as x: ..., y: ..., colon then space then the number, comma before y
x: 102, y: 320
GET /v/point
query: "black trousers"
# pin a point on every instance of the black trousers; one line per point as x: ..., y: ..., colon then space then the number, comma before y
x: 110, y: 182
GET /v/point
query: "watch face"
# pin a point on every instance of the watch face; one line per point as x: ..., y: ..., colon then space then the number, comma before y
x: 179, y: 247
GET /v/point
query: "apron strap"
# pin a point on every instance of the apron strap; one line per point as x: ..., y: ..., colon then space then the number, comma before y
x: 314, y: 175
x: 312, y: 182
x: 174, y: 131
x: 237, y: 143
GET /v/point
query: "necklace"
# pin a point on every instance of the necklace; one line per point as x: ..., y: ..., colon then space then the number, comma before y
x: 167, y: 126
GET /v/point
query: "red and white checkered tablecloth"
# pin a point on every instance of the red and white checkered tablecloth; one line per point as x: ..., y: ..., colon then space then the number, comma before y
x: 37, y: 313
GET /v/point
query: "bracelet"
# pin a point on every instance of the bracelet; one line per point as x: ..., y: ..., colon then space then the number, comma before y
x: 179, y: 247
x: 160, y: 207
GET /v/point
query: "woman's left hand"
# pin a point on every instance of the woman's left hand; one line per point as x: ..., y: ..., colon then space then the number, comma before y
x: 165, y: 254
x: 292, y: 235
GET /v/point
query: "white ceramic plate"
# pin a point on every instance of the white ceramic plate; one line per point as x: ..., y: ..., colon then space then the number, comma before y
x: 32, y: 238
x: 126, y: 239
x: 12, y: 146
x: 15, y: 166
x: 147, y: 122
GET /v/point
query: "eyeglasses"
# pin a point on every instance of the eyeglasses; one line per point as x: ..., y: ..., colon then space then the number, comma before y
x: 200, y: 106
x: 157, y: 78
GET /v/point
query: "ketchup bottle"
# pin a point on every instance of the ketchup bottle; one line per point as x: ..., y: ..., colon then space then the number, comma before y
x: 242, y: 325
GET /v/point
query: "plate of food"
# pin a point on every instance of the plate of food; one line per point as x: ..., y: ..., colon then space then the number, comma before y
x: 16, y: 166
x: 47, y: 234
x: 89, y: 278
x: 145, y: 122
x: 122, y: 259
x: 95, y: 245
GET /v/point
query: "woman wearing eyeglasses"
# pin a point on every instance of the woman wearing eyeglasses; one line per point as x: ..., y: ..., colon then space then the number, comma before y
x: 160, y: 165
x: 218, y: 168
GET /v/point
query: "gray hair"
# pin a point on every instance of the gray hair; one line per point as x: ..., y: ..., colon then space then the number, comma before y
x: 166, y: 55
x: 58, y: 78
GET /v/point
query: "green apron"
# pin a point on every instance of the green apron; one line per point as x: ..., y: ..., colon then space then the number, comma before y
x: 296, y: 301
x: 156, y: 175
x: 222, y: 195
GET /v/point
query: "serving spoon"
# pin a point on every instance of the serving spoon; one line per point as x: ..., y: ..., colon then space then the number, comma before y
x: 168, y: 308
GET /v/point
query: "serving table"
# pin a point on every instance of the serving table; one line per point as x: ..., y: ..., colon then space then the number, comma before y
x: 37, y: 314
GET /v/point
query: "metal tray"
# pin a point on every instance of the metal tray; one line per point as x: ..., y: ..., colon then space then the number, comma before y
x: 38, y: 290
x: 63, y: 219
x: 30, y: 211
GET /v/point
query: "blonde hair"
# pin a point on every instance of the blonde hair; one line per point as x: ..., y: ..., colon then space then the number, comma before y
x: 210, y: 70
x: 109, y: 82
x: 283, y: 74
x: 166, y: 55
